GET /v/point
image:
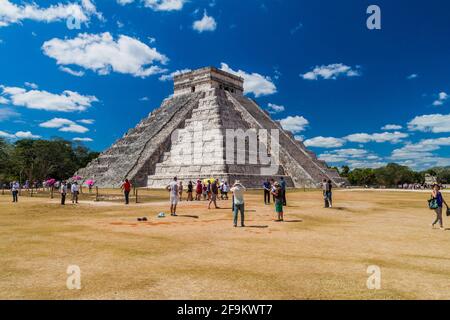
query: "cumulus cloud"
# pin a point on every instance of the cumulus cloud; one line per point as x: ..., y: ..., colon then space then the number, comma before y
x: 393, y: 137
x: 169, y: 77
x: 64, y: 125
x: 11, y: 13
x: 67, y: 101
x: 254, y: 83
x: 101, y: 53
x: 354, y: 158
x: 294, y: 124
x: 71, y: 71
x: 325, y: 142
x: 86, y: 121
x: 31, y: 85
x: 331, y: 71
x: 392, y: 127
x: 159, y: 5
x: 206, y: 23
x: 6, y: 113
x: 274, y: 108
x: 436, y: 123
x: 82, y: 139
x: 421, y: 149
x: 18, y: 135
x: 442, y: 97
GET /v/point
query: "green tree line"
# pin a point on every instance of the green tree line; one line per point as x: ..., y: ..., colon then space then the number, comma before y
x: 392, y: 175
x: 37, y: 160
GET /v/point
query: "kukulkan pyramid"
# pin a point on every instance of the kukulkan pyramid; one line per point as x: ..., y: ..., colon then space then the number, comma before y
x: 194, y: 134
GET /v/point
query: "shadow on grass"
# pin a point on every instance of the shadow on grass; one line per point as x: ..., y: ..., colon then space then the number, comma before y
x: 187, y: 216
x: 257, y: 227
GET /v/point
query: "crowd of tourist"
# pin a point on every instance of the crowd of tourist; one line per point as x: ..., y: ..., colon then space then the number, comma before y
x: 212, y: 190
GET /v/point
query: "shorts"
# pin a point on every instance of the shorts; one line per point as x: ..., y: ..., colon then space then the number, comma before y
x: 278, y: 207
x: 173, y: 200
x: 213, y: 196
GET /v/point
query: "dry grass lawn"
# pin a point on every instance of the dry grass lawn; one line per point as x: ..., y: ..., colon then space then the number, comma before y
x: 316, y: 254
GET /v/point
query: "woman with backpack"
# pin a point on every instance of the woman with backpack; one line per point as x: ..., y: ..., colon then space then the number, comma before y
x: 438, y: 202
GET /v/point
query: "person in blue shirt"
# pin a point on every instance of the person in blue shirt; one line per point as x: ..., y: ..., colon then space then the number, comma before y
x: 436, y: 194
x: 267, y: 186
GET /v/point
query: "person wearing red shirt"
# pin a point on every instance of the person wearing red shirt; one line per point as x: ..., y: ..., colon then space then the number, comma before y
x: 126, y: 186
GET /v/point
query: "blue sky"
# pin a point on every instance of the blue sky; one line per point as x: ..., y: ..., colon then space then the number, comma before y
x: 355, y: 96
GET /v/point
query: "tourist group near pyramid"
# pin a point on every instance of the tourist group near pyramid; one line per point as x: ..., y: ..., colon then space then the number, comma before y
x: 208, y: 129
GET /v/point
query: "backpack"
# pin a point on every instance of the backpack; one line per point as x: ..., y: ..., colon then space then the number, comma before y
x: 433, y: 203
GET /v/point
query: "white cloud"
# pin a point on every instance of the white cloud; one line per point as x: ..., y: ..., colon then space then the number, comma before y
x: 254, y: 83
x: 392, y: 127
x: 294, y: 124
x: 393, y: 137
x: 207, y: 23
x: 274, y: 108
x: 436, y: 123
x: 325, y: 142
x: 331, y: 71
x: 169, y: 77
x: 64, y: 125
x: 159, y: 5
x: 421, y: 149
x: 413, y: 76
x: 3, y: 100
x: 442, y: 97
x: 11, y: 13
x: 86, y: 121
x: 67, y: 101
x: 82, y: 139
x: 71, y: 71
x: 6, y: 113
x: 19, y: 135
x: 31, y: 85
x: 102, y: 54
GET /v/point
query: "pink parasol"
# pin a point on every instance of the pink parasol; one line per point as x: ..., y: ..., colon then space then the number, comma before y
x: 90, y: 182
x: 77, y: 178
x: 50, y: 182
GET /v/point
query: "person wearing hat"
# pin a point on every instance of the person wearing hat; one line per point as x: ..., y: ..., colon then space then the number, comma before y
x: 277, y: 192
x: 436, y: 194
x: 238, y: 196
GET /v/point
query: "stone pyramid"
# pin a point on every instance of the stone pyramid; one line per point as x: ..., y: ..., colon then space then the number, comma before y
x: 208, y: 129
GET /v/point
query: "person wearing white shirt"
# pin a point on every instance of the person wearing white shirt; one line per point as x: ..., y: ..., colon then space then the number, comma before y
x: 15, y: 191
x: 63, y: 191
x: 74, y: 190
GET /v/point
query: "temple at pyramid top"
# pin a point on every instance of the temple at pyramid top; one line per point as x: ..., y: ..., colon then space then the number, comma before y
x: 205, y: 79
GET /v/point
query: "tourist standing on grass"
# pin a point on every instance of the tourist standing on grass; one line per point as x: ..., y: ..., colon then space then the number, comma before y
x: 267, y: 187
x: 190, y: 188
x: 204, y: 191
x: 330, y: 193
x: 180, y: 190
x: 63, y: 191
x: 15, y: 186
x: 173, y: 189
x: 225, y: 190
x: 238, y: 202
x: 198, y: 190
x: 214, y: 189
x: 283, y: 190
x: 436, y: 194
x: 126, y: 187
x: 277, y: 192
x: 75, y: 190
x: 324, y: 191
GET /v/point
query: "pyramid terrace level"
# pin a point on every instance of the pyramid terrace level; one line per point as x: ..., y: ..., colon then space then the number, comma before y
x: 205, y: 79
